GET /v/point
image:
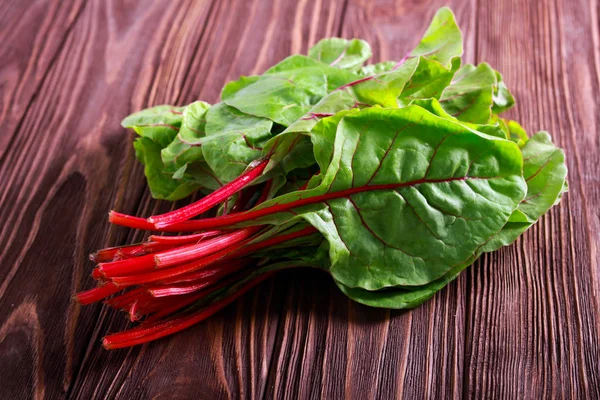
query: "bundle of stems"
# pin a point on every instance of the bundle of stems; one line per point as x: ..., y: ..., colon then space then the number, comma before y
x: 169, y: 283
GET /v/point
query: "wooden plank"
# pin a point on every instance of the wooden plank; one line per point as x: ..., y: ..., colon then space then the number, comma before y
x: 35, y: 31
x: 530, y: 312
x: 533, y: 320
x: 58, y: 180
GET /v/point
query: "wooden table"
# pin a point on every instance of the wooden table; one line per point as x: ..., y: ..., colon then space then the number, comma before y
x: 521, y: 323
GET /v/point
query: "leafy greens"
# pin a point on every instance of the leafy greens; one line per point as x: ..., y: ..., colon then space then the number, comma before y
x: 390, y: 177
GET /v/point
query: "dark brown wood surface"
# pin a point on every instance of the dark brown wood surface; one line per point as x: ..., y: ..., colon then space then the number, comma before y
x: 522, y: 323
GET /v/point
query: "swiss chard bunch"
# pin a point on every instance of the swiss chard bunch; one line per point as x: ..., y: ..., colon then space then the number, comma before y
x: 390, y: 177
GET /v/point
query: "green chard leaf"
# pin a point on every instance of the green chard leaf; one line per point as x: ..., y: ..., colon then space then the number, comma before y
x: 469, y: 96
x: 380, y: 90
x: 515, y: 132
x: 184, y: 148
x: 389, y: 84
x: 374, y: 69
x: 442, y: 40
x: 160, y: 123
x: 174, y: 168
x: 161, y: 184
x: 454, y: 187
x: 388, y: 89
x: 429, y: 80
x: 233, y: 140
x: 546, y: 183
x: 341, y: 53
x: 401, y: 297
x: 289, y: 89
x: 497, y: 129
x: 545, y: 173
x: 157, y: 127
x: 233, y: 87
x: 503, y: 99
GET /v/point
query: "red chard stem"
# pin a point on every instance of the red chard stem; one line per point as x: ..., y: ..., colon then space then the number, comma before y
x: 158, y: 330
x: 97, y: 294
x: 184, y: 239
x: 206, y: 203
x: 192, y: 252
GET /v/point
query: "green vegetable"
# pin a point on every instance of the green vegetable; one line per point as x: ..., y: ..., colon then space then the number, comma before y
x: 341, y: 53
x: 392, y: 178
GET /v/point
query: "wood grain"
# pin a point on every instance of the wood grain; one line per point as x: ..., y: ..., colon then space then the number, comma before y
x: 533, y: 307
x: 33, y: 34
x: 522, y: 323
